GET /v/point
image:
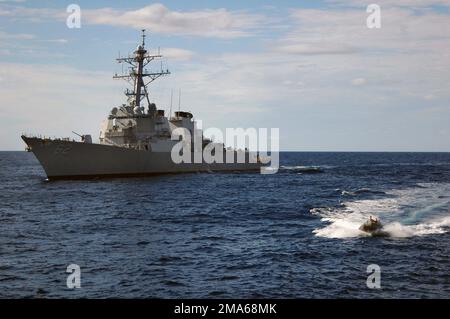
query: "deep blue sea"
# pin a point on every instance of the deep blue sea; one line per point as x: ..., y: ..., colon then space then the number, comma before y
x: 293, y: 234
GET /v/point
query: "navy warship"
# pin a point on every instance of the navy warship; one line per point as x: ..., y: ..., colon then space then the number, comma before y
x: 136, y: 140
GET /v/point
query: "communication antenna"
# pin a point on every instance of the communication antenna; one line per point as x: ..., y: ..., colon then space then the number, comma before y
x: 121, y: 62
x: 143, y: 37
x: 171, y: 99
x: 179, y: 99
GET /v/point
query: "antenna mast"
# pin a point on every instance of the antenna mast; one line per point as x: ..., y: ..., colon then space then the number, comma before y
x: 171, y: 99
x: 137, y: 73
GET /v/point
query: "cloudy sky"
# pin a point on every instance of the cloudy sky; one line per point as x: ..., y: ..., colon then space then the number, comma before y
x: 311, y: 68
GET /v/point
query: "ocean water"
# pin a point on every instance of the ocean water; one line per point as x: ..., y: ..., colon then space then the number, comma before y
x: 220, y: 235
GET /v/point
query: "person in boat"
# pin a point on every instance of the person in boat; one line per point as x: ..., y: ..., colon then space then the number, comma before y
x: 373, y: 224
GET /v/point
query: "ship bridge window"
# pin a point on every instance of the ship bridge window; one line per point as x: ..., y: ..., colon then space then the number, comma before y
x: 183, y: 114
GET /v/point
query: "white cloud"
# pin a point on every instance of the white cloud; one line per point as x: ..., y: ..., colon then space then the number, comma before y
x: 392, y: 3
x: 60, y: 41
x: 316, y: 48
x: 19, y: 13
x: 53, y: 100
x: 158, y: 18
x: 25, y: 45
x: 345, y: 30
x: 5, y: 52
x: 220, y: 23
x: 17, y: 36
x: 358, y: 81
x: 9, y: 42
x: 177, y: 54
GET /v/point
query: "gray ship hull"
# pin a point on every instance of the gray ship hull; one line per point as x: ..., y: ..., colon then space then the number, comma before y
x: 62, y: 159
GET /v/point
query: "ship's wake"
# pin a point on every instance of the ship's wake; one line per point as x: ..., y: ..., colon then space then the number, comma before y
x: 417, y: 211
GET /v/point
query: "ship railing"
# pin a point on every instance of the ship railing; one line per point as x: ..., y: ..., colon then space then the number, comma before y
x: 48, y: 138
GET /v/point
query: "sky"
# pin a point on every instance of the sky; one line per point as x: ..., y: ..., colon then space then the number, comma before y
x: 313, y: 69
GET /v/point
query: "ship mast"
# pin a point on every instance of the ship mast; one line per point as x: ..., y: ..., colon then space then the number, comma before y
x: 137, y: 73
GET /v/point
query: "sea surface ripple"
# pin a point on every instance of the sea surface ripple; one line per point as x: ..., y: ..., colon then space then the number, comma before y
x: 293, y: 234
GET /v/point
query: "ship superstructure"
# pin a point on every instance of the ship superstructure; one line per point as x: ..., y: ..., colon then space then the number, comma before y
x: 132, y: 125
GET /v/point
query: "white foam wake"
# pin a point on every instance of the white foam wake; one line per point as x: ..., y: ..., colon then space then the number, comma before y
x: 417, y: 211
